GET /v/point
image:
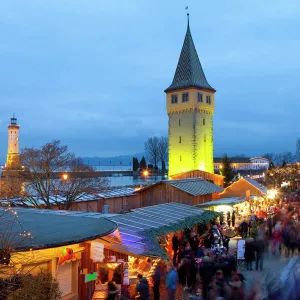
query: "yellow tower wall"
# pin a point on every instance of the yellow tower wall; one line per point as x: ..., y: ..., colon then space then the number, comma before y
x: 190, y: 138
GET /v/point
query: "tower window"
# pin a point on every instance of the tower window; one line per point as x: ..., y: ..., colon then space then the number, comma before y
x: 204, y: 137
x: 180, y: 140
x: 208, y: 100
x: 203, y: 121
x: 200, y: 97
x: 174, y: 99
x: 180, y: 157
x: 179, y: 122
x: 185, y: 97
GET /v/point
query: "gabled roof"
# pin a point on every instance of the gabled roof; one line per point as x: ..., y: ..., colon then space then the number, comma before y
x: 195, y: 186
x: 256, y: 184
x: 192, y: 186
x: 189, y: 72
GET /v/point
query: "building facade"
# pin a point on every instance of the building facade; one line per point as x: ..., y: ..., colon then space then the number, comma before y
x: 190, y: 106
x: 244, y: 164
x: 13, y: 157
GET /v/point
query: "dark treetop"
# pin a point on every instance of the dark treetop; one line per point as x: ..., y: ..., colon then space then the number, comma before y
x: 189, y: 72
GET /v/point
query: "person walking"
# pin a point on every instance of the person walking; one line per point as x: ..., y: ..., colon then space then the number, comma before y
x: 156, y: 282
x: 260, y: 245
x: 171, y: 282
x: 249, y: 253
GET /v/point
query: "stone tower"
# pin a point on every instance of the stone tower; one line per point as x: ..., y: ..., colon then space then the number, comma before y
x: 13, y: 158
x: 190, y: 107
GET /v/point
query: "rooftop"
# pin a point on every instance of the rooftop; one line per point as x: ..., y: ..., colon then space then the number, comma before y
x: 140, y: 228
x: 256, y: 184
x: 189, y: 72
x: 222, y: 201
x: 41, y: 228
x: 192, y: 186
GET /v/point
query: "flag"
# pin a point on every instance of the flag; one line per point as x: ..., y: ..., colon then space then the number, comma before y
x: 186, y: 8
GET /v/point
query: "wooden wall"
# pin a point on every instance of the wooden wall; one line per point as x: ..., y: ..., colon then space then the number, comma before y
x: 115, y: 205
x: 239, y: 188
x: 158, y: 194
x: 164, y: 193
x: 216, y: 179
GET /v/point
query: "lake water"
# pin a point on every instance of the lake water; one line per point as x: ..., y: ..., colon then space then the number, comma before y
x: 127, y: 180
x: 133, y: 180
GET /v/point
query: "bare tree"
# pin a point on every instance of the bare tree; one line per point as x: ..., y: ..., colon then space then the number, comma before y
x: 287, y: 157
x: 298, y: 150
x: 163, y: 151
x: 269, y: 156
x: 152, y: 150
x: 45, y: 186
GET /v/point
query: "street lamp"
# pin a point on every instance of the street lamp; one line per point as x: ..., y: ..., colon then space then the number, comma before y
x: 65, y: 176
x: 145, y: 173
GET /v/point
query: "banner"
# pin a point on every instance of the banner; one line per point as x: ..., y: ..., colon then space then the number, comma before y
x: 97, y: 252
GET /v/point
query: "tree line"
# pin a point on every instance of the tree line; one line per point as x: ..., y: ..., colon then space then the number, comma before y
x: 285, y: 157
x: 156, y: 149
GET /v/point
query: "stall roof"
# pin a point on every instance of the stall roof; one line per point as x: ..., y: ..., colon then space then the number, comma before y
x: 29, y: 228
x: 140, y: 227
x: 192, y: 186
x: 106, y: 194
x: 256, y: 184
x: 222, y: 201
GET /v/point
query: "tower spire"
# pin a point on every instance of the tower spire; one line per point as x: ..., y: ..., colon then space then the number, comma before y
x: 189, y: 72
x: 188, y: 16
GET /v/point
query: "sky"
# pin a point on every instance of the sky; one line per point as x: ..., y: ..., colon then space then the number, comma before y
x: 92, y: 73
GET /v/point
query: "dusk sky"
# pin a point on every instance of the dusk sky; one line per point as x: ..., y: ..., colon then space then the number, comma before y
x: 92, y: 73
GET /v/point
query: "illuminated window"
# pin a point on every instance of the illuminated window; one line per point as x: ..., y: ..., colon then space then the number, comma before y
x: 180, y: 140
x: 203, y: 121
x: 185, y: 97
x: 208, y: 100
x: 179, y: 122
x: 204, y: 137
x: 200, y: 97
x: 174, y: 99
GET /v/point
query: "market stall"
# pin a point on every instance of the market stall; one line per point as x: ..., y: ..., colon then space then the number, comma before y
x: 146, y: 235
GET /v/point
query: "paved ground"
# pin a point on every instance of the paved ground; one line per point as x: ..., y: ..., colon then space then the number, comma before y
x: 269, y: 278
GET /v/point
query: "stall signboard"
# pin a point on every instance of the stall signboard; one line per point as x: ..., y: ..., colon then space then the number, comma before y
x: 97, y: 252
x: 240, y: 249
x: 90, y: 277
x: 125, y: 274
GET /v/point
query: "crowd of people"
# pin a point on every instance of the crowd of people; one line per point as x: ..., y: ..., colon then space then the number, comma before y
x: 206, y: 269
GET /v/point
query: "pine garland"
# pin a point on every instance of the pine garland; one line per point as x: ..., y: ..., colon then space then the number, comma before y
x: 151, y: 235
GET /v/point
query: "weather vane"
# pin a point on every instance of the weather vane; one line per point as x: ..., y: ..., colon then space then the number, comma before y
x: 187, y: 10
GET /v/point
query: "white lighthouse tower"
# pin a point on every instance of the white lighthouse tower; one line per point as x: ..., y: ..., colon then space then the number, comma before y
x: 13, y: 157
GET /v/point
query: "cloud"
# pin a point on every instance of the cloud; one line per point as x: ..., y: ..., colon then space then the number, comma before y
x: 93, y: 73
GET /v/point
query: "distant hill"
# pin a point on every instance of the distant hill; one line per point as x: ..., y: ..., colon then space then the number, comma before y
x: 125, y: 160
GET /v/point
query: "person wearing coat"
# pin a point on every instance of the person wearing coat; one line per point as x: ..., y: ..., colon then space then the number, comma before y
x: 171, y: 283
x: 249, y: 253
x: 142, y: 287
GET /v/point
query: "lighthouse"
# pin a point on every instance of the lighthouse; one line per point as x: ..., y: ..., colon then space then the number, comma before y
x: 13, y: 157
